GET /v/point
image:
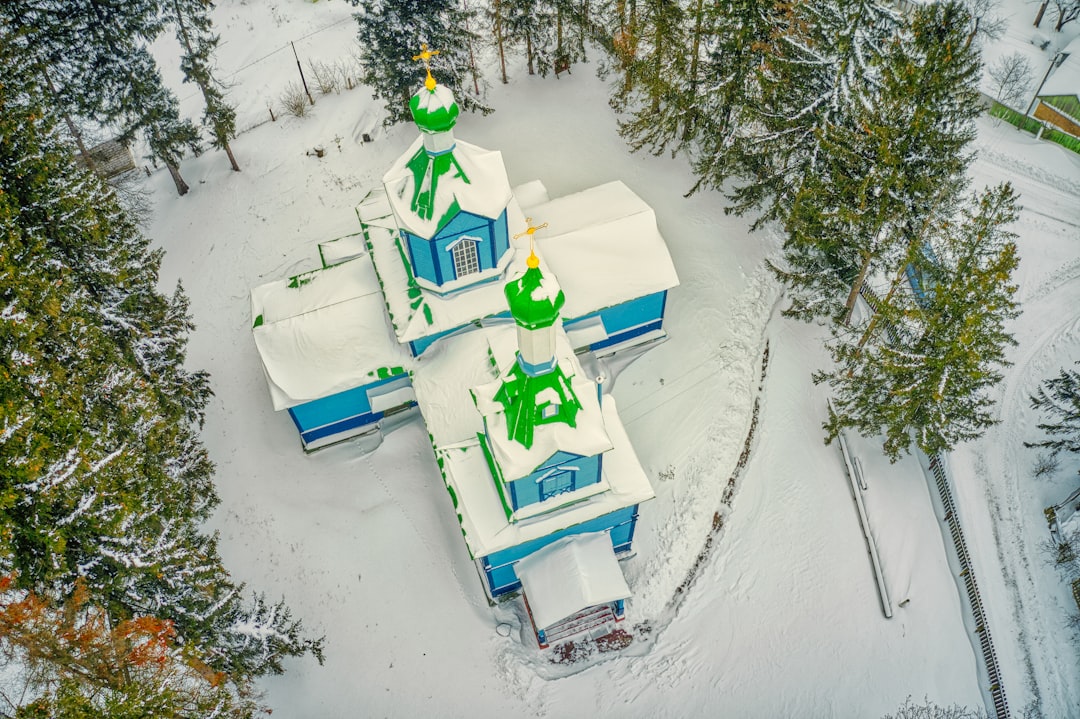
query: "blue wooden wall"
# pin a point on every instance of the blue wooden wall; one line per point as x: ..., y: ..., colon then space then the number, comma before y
x: 530, y: 490
x: 628, y: 319
x: 431, y: 259
x: 343, y: 411
x: 499, y: 567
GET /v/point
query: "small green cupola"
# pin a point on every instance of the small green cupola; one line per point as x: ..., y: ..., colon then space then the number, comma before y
x: 535, y: 300
x: 434, y: 108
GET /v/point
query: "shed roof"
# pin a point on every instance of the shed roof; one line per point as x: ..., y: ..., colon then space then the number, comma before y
x: 569, y: 575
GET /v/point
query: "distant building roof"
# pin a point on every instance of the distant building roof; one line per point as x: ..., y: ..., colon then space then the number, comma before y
x: 110, y: 158
x: 1065, y: 79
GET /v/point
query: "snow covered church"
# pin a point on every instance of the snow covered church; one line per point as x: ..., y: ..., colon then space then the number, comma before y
x: 452, y: 300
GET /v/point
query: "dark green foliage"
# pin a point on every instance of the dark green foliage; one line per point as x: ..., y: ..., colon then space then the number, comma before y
x: 921, y: 370
x: 105, y: 480
x: 887, y: 172
x: 820, y: 65
x: 194, y: 30
x: 1058, y: 399
x: 390, y: 33
x: 94, y: 54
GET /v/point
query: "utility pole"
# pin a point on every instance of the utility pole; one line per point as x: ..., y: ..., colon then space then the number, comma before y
x: 1053, y: 63
x: 301, y: 69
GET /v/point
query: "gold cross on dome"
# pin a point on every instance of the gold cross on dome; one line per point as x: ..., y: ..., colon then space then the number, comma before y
x: 426, y: 56
x: 533, y: 260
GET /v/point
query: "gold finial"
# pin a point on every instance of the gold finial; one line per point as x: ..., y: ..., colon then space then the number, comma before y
x: 533, y: 261
x: 426, y: 56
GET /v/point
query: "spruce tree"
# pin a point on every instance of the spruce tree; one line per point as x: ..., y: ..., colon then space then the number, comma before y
x: 737, y: 31
x: 895, y: 167
x: 93, y: 53
x: 194, y: 30
x: 1058, y: 399
x: 392, y: 32
x: 921, y: 372
x: 106, y: 482
x: 820, y: 64
x: 663, y: 76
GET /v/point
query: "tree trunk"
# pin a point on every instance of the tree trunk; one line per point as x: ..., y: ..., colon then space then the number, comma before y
x: 232, y: 160
x: 472, y: 56
x: 529, y: 53
x: 849, y: 306
x: 972, y: 34
x: 1039, y: 15
x: 181, y: 186
x: 499, y: 38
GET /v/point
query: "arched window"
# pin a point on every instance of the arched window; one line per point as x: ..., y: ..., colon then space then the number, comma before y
x: 466, y: 261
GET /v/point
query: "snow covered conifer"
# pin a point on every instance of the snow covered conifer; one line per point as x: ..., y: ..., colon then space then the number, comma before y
x: 194, y: 30
x: 1059, y: 400
x: 820, y: 64
x: 106, y: 482
x: 391, y: 33
x: 888, y: 173
x: 920, y: 372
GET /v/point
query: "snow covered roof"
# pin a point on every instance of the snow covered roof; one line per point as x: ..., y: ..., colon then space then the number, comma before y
x: 443, y: 378
x: 569, y: 575
x: 1065, y: 79
x: 602, y: 244
x: 323, y: 332
x: 473, y: 180
x: 585, y: 437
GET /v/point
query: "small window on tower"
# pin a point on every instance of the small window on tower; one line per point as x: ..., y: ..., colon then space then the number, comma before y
x: 549, y: 410
x: 466, y: 261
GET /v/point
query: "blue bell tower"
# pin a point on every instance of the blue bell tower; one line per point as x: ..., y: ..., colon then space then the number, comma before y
x: 449, y: 198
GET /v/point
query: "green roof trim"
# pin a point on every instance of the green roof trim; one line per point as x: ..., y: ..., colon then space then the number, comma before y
x: 531, y: 300
x: 387, y: 372
x: 496, y: 475
x: 524, y: 411
x: 427, y: 170
x: 258, y: 322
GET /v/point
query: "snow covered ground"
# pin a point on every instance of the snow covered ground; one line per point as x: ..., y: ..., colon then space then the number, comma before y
x: 784, y: 618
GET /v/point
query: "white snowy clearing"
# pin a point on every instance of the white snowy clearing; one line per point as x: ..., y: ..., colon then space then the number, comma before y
x: 784, y: 618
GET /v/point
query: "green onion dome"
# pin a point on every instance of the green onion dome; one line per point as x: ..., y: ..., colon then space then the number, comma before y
x: 433, y: 107
x: 534, y: 300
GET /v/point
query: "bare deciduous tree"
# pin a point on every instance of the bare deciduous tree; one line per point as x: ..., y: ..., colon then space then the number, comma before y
x: 1012, y: 76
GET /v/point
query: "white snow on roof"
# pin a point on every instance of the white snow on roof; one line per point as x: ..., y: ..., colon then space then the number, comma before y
x: 602, y: 245
x: 586, y: 438
x: 486, y: 193
x: 442, y: 380
x: 1065, y: 79
x: 439, y: 98
x: 570, y: 575
x: 324, y: 336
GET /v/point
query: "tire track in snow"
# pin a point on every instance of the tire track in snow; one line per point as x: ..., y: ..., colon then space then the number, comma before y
x: 1006, y: 500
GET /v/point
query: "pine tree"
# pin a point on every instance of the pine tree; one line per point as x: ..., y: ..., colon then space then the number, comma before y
x: 737, y: 32
x: 920, y: 373
x: 93, y: 53
x: 1059, y: 400
x: 896, y: 167
x: 532, y: 24
x: 821, y: 63
x: 664, y: 77
x: 194, y: 30
x: 106, y: 482
x: 392, y: 31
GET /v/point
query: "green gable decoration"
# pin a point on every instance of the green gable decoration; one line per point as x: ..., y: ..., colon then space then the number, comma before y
x: 530, y: 401
x: 426, y: 170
